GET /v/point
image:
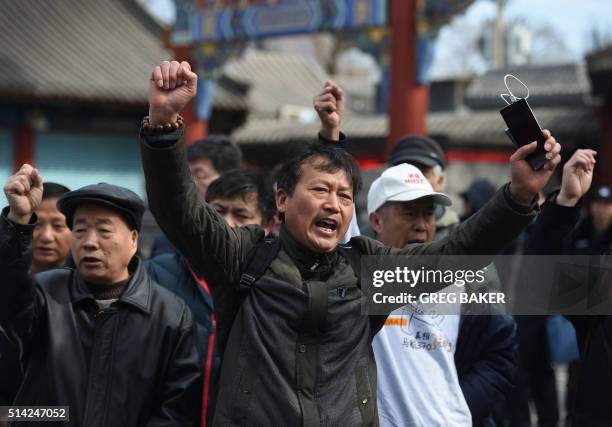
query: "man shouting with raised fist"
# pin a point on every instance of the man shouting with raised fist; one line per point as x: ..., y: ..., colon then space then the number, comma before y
x: 296, y: 348
x: 103, y: 339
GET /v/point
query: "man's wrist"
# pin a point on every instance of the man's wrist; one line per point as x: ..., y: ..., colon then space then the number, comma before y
x: 161, y: 117
x: 18, y: 219
x: 519, y: 196
x: 564, y: 200
x: 332, y: 134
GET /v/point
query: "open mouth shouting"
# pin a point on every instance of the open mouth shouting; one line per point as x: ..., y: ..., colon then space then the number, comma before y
x: 327, y: 225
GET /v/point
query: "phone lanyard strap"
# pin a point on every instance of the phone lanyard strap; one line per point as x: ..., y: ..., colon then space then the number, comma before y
x: 513, y: 98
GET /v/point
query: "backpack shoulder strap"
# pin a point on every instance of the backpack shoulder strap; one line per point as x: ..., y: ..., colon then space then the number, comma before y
x: 353, y: 255
x: 257, y: 262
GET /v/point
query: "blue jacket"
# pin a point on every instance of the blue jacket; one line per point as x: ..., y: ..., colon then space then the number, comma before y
x: 486, y: 360
x: 173, y: 272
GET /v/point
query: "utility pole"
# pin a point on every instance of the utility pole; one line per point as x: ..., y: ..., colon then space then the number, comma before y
x: 499, y: 46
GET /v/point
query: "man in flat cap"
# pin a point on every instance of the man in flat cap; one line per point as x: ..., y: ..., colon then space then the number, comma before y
x: 103, y: 339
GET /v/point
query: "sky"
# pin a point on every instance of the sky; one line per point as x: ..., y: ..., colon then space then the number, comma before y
x: 572, y: 19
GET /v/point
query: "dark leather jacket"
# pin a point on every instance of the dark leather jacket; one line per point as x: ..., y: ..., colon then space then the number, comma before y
x: 172, y: 272
x: 296, y: 350
x: 133, y: 364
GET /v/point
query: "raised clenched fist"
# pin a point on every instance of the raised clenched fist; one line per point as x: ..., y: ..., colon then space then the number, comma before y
x: 24, y: 192
x: 171, y: 86
x: 329, y: 105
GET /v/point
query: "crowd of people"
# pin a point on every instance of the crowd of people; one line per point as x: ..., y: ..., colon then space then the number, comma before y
x: 249, y: 310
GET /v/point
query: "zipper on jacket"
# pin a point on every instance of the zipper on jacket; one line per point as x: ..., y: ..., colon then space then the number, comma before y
x: 99, y: 313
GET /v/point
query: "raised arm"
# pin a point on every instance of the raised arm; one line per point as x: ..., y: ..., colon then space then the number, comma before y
x: 20, y: 303
x: 501, y: 220
x: 329, y: 105
x: 560, y: 214
x: 194, y: 227
x: 554, y: 225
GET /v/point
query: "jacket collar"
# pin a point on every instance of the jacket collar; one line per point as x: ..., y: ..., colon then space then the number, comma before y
x: 137, y: 294
x: 306, y: 260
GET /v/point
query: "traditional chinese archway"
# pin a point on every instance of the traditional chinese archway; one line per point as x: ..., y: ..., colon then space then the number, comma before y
x: 210, y: 32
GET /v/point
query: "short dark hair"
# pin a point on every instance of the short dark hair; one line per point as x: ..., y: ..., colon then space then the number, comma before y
x: 334, y: 160
x: 239, y: 183
x: 52, y: 190
x: 219, y: 149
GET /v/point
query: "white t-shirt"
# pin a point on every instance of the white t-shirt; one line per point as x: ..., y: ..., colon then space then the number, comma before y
x: 418, y: 383
x: 353, y: 229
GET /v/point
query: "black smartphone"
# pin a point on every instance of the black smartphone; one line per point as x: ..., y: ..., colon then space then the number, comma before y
x: 523, y: 129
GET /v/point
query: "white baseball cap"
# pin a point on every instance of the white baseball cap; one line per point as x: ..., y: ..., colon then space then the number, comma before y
x: 402, y: 183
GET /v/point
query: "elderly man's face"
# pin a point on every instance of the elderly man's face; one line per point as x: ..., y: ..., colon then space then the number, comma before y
x: 102, y: 244
x: 400, y: 223
x: 51, y: 242
x: 320, y: 210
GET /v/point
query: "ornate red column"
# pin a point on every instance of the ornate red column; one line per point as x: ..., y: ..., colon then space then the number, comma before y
x: 408, y: 99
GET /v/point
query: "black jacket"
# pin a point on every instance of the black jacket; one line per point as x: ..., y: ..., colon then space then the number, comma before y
x: 173, y: 272
x: 552, y: 234
x: 133, y: 364
x: 10, y: 371
x: 296, y: 349
x: 585, y: 241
